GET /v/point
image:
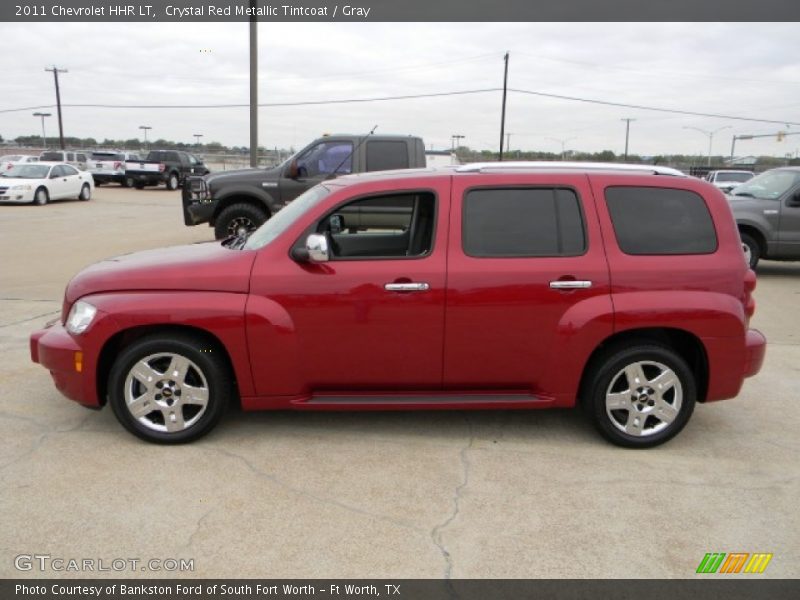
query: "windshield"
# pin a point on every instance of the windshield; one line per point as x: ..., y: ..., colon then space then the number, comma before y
x: 107, y: 156
x: 27, y: 171
x: 286, y: 217
x: 734, y: 176
x: 10, y: 158
x: 768, y: 186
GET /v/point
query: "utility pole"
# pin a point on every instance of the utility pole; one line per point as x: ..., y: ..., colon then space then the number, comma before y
x: 627, y: 133
x: 503, y: 116
x: 508, y: 143
x: 197, y: 137
x: 253, y: 87
x: 710, y: 135
x: 145, y: 128
x: 563, y: 145
x: 55, y: 71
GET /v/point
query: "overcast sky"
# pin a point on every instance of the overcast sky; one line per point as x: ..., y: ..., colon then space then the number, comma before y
x: 749, y: 70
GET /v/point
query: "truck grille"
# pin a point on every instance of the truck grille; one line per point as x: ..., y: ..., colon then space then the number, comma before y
x: 3, y: 190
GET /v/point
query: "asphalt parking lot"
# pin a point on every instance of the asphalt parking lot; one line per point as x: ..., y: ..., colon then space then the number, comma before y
x: 387, y: 495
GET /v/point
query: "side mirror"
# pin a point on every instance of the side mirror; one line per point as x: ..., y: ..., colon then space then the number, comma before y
x: 315, y: 251
x: 294, y: 172
x: 795, y: 199
x: 54, y: 176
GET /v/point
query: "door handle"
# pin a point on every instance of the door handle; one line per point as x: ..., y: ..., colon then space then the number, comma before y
x: 406, y: 287
x: 570, y: 285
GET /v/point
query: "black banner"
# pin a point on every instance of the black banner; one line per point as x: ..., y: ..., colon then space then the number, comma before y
x: 737, y: 587
x: 395, y: 10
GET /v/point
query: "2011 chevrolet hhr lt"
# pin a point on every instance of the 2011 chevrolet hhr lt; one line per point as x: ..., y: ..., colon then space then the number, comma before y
x: 506, y: 285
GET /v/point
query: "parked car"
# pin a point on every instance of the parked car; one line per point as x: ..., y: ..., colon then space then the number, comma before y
x: 44, y: 181
x: 767, y: 213
x: 170, y: 167
x: 108, y: 166
x: 76, y: 159
x: 235, y: 202
x: 727, y: 180
x: 9, y: 160
x: 528, y: 285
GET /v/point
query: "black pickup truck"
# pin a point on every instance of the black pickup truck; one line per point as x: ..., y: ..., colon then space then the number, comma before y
x: 170, y: 167
x: 234, y: 202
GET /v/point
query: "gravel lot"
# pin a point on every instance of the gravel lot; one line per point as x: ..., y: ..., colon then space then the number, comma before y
x: 417, y: 495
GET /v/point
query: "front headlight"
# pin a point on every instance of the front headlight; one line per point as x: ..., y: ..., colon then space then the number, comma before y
x: 80, y: 317
x: 27, y: 188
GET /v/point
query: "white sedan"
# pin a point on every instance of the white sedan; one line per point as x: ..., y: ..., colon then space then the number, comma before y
x: 44, y: 181
x: 9, y: 160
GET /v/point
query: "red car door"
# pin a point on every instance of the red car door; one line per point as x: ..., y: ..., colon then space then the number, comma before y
x: 528, y: 284
x: 369, y: 320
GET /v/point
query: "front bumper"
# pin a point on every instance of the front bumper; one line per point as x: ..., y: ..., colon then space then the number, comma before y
x: 21, y: 196
x: 55, y: 349
x: 198, y: 206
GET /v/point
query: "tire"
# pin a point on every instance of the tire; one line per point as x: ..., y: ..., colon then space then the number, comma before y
x: 128, y: 182
x: 41, y: 197
x: 623, y: 398
x: 238, y: 217
x: 752, y: 249
x: 86, y: 192
x: 184, y: 405
x: 139, y: 186
x: 173, y: 182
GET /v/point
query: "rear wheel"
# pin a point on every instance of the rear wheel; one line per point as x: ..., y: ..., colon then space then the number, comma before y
x: 169, y: 388
x: 41, y: 197
x: 640, y: 396
x: 238, y: 219
x: 128, y: 182
x: 751, y: 248
x: 172, y: 181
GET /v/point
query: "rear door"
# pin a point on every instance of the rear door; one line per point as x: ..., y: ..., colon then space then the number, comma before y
x: 526, y: 275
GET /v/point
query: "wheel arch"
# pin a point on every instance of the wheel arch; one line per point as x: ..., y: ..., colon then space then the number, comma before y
x: 755, y: 233
x: 124, y: 338
x: 261, y: 201
x: 686, y: 344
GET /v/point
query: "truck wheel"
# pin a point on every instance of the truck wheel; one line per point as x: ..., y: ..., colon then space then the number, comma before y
x: 169, y: 388
x: 238, y: 219
x: 752, y: 250
x: 172, y: 181
x: 128, y: 182
x: 640, y: 396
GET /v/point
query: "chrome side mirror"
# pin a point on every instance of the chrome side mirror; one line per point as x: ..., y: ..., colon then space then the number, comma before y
x: 317, y: 248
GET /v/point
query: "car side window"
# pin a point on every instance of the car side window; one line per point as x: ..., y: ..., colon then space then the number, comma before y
x: 660, y: 221
x: 386, y: 155
x: 387, y: 226
x: 81, y: 157
x: 522, y: 222
x: 67, y: 170
x: 325, y: 158
x: 56, y: 171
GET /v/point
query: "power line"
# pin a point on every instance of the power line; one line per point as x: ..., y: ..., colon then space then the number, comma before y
x: 416, y: 96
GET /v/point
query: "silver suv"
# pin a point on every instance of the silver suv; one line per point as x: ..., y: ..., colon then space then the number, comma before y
x: 75, y: 158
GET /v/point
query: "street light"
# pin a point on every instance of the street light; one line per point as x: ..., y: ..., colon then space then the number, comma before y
x: 453, y: 139
x: 563, y: 145
x: 43, y: 115
x: 710, y: 135
x: 145, y: 128
x: 197, y: 137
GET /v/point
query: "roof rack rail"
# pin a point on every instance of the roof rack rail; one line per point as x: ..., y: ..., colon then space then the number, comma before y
x: 487, y: 167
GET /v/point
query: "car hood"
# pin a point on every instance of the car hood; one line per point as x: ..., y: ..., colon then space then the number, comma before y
x: 12, y: 181
x: 239, y: 175
x: 198, y: 267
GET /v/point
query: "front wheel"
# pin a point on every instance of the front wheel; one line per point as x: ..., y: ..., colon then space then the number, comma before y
x: 752, y: 250
x: 238, y: 219
x: 169, y: 389
x: 640, y: 396
x: 86, y: 192
x: 41, y: 197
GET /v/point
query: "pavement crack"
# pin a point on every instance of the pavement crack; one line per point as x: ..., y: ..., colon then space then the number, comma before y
x: 52, y: 312
x: 438, y: 531
x: 313, y: 496
x: 197, y: 527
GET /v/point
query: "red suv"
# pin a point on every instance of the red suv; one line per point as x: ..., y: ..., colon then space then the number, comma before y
x: 489, y: 286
